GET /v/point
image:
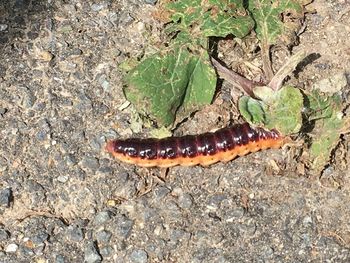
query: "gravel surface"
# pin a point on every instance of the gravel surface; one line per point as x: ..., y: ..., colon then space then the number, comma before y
x: 63, y: 199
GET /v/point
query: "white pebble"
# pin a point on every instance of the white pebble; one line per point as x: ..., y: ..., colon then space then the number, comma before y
x: 11, y: 248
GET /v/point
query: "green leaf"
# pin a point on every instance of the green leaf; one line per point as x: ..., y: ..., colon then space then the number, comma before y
x: 252, y: 110
x: 279, y: 110
x: 320, y: 106
x: 195, y: 20
x: 329, y: 124
x: 164, y: 83
x: 201, y: 87
x: 268, y: 17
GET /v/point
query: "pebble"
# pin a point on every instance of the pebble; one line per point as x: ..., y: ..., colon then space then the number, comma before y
x: 75, y: 233
x: 185, y: 201
x: 3, y: 164
x: 90, y: 163
x: 106, y: 251
x: 215, y: 201
x: 307, y: 221
x: 123, y: 226
x: 233, y: 214
x: 39, y: 238
x: 3, y: 27
x: 70, y: 160
x: 138, y: 256
x: 99, y: 6
x: 151, y: 2
x: 25, y: 251
x: 11, y: 248
x: 103, y: 236
x: 2, y: 110
x: 333, y: 84
x: 28, y: 99
x: 41, y: 135
x: 91, y: 254
x: 102, y: 80
x: 161, y: 192
x: 102, y: 217
x: 60, y: 259
x: 4, y: 234
x: 5, y: 197
x: 62, y: 178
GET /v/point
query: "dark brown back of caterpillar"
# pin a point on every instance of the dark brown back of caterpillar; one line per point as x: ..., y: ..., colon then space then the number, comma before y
x: 205, y: 149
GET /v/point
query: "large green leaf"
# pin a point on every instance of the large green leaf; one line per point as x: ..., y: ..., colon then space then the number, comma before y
x: 195, y: 20
x: 279, y: 110
x: 164, y: 83
x: 276, y: 19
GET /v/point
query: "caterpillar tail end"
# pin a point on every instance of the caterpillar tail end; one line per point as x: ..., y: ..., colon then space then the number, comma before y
x: 110, y: 146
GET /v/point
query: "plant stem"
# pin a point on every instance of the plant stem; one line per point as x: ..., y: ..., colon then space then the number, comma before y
x: 286, y: 69
x: 235, y: 79
x: 266, y: 60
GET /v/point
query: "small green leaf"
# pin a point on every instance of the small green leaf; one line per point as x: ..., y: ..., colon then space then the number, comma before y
x: 165, y: 83
x: 329, y: 124
x: 285, y: 110
x: 252, y: 110
x: 279, y: 110
x: 320, y: 106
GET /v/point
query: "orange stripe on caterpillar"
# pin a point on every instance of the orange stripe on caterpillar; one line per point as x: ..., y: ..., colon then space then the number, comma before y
x: 204, y: 149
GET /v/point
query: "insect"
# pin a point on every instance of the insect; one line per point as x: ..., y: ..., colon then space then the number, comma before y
x: 204, y: 149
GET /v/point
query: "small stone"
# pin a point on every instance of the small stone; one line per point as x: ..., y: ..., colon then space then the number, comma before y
x: 99, y: 6
x: 41, y: 135
x: 102, y: 80
x: 185, y: 201
x: 160, y: 192
x: 4, y: 235
x: 11, y: 248
x: 76, y: 234
x: 39, y: 238
x: 214, y: 201
x: 138, y: 256
x: 125, y: 19
x: 70, y: 160
x: 333, y: 84
x: 60, y: 259
x: 62, y: 178
x: 5, y: 197
x: 89, y: 163
x: 3, y: 27
x: 234, y: 214
x: 106, y: 251
x: 28, y: 100
x: 25, y: 251
x: 91, y: 254
x: 177, y: 234
x: 123, y: 226
x: 102, y: 217
x: 3, y: 110
x: 103, y: 236
x: 307, y: 221
x: 151, y: 2
x: 66, y: 66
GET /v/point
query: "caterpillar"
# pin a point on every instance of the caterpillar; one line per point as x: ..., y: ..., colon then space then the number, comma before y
x: 205, y: 149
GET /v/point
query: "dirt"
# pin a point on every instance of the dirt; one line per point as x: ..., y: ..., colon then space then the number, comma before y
x: 64, y: 199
